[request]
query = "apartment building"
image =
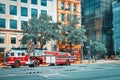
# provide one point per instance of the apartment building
(65, 7)
(68, 7)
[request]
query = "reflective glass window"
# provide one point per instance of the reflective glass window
(2, 39)
(24, 1)
(34, 12)
(2, 50)
(74, 7)
(13, 0)
(13, 40)
(34, 2)
(43, 2)
(68, 6)
(24, 11)
(2, 8)
(62, 17)
(13, 10)
(13, 24)
(43, 12)
(62, 5)
(2, 23)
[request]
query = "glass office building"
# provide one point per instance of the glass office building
(116, 26)
(97, 19)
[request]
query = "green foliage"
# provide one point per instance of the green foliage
(70, 31)
(77, 36)
(72, 20)
(40, 29)
(98, 48)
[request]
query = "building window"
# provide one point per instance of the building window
(2, 49)
(13, 24)
(13, 40)
(43, 12)
(34, 2)
(62, 17)
(68, 6)
(24, 11)
(74, 8)
(13, 10)
(34, 12)
(24, 1)
(2, 40)
(23, 23)
(2, 8)
(13, 0)
(43, 2)
(62, 5)
(2, 23)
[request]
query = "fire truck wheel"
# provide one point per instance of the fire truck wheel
(67, 62)
(16, 64)
(35, 63)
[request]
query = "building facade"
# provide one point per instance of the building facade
(65, 7)
(116, 25)
(14, 12)
(97, 19)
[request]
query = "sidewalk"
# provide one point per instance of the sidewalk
(108, 62)
(101, 62)
(1, 65)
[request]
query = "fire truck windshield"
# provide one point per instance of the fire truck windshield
(7, 54)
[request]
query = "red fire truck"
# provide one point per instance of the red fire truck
(17, 57)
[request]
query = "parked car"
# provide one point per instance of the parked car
(117, 57)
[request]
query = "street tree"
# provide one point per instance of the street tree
(97, 49)
(72, 32)
(41, 29)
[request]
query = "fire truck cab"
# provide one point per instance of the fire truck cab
(16, 57)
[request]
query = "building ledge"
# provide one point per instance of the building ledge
(9, 30)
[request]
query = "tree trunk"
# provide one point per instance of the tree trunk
(96, 56)
(81, 54)
(89, 56)
(70, 47)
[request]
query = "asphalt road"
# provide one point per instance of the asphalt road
(72, 72)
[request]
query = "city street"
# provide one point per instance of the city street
(59, 39)
(109, 71)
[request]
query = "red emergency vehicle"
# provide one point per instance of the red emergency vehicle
(17, 57)
(62, 58)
